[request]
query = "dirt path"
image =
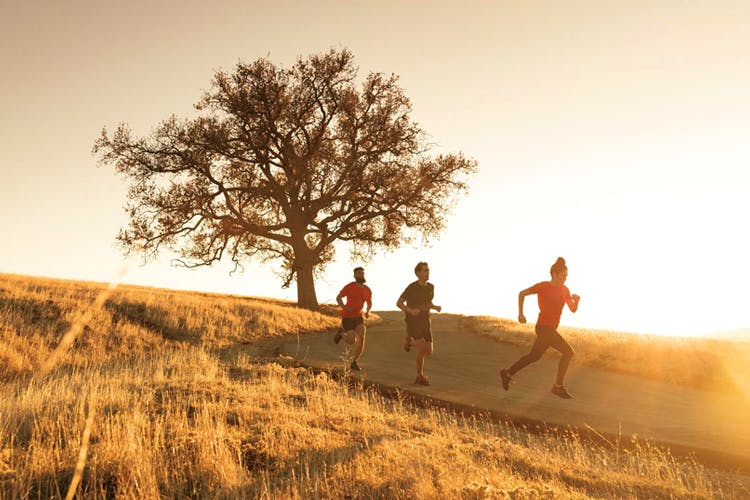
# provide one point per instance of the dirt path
(464, 367)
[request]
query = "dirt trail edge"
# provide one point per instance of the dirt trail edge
(607, 408)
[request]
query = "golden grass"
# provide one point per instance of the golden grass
(695, 362)
(182, 424)
(179, 408)
(36, 313)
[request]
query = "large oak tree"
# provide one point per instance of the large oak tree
(281, 163)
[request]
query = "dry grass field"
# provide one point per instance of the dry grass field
(36, 314)
(694, 362)
(168, 394)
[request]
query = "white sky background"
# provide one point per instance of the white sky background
(614, 134)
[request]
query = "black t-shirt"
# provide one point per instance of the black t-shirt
(419, 297)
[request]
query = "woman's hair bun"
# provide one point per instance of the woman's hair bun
(558, 266)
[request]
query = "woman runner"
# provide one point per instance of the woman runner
(552, 296)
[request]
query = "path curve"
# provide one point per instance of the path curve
(463, 370)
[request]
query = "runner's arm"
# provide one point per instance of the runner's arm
(522, 295)
(573, 302)
(368, 301)
(339, 299)
(401, 304)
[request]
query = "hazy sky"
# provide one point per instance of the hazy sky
(614, 134)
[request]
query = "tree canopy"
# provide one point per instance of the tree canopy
(281, 163)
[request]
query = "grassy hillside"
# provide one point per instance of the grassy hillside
(36, 314)
(695, 362)
(165, 395)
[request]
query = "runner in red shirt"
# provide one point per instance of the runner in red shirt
(552, 296)
(352, 328)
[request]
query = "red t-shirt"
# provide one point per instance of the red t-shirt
(356, 296)
(551, 300)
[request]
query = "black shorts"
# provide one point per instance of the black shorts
(351, 323)
(419, 327)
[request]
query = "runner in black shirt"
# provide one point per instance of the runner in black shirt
(416, 302)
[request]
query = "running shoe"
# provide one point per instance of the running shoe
(354, 366)
(505, 378)
(422, 380)
(559, 390)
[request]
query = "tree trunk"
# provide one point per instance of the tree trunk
(306, 296)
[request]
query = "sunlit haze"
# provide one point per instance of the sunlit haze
(614, 134)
